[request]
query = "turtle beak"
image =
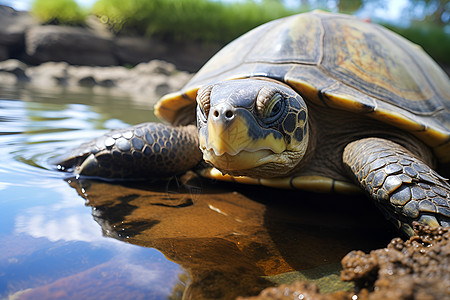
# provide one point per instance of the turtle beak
(234, 140)
(226, 132)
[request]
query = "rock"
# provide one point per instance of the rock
(134, 50)
(49, 74)
(22, 37)
(8, 78)
(4, 53)
(297, 290)
(74, 45)
(14, 67)
(13, 25)
(87, 81)
(146, 82)
(415, 269)
(155, 67)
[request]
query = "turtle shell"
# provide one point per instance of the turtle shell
(341, 62)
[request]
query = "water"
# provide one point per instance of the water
(83, 239)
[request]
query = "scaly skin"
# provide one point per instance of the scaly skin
(402, 185)
(142, 151)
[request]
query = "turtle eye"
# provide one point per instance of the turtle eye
(273, 106)
(203, 99)
(270, 105)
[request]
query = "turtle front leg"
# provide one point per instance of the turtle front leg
(402, 185)
(148, 150)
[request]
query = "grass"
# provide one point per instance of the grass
(198, 20)
(65, 12)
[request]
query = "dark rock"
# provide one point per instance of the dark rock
(186, 56)
(4, 53)
(74, 45)
(107, 83)
(13, 25)
(414, 269)
(134, 50)
(87, 81)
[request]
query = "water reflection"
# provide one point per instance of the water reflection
(50, 245)
(234, 240)
(56, 250)
(188, 237)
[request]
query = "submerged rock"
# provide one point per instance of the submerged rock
(414, 269)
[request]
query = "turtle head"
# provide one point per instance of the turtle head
(252, 127)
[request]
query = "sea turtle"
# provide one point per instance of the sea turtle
(315, 101)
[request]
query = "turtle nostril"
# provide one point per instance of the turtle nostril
(229, 114)
(216, 113)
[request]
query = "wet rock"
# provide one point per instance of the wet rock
(414, 269)
(75, 45)
(298, 290)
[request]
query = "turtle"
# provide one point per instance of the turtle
(317, 101)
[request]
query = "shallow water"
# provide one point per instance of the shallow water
(63, 238)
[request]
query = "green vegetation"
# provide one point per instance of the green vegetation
(200, 20)
(219, 22)
(58, 12)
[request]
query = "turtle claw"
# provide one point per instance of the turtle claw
(88, 167)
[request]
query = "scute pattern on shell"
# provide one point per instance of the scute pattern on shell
(341, 62)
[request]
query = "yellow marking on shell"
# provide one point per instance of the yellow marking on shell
(169, 105)
(309, 183)
(398, 120)
(392, 73)
(234, 138)
(433, 137)
(323, 185)
(345, 102)
(307, 90)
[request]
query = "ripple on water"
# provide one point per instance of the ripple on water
(231, 239)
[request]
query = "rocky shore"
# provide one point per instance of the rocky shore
(146, 82)
(412, 269)
(22, 37)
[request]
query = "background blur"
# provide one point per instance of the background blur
(425, 22)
